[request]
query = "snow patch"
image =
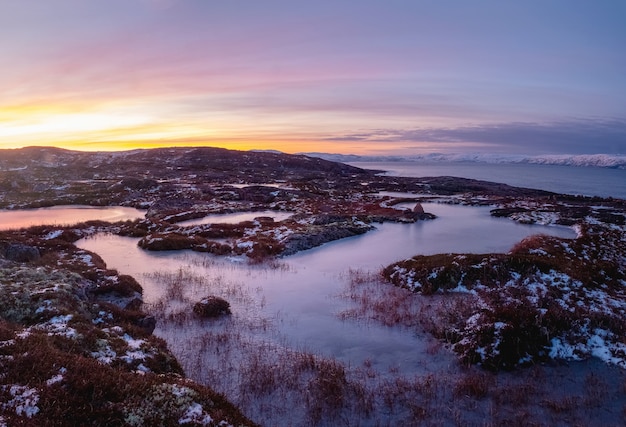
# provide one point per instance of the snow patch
(24, 401)
(53, 235)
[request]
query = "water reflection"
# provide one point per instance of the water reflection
(304, 293)
(65, 215)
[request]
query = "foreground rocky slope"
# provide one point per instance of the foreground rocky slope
(75, 348)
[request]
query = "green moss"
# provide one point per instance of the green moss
(31, 295)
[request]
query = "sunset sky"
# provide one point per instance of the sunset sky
(341, 76)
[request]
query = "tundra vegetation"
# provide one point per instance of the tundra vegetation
(547, 298)
(77, 342)
(75, 349)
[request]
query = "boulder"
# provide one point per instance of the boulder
(21, 253)
(147, 323)
(418, 208)
(126, 302)
(318, 235)
(211, 306)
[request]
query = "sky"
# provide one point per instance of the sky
(370, 77)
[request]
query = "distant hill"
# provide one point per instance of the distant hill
(167, 163)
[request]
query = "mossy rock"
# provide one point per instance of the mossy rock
(211, 306)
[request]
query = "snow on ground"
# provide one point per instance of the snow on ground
(24, 400)
(47, 306)
(57, 378)
(566, 301)
(53, 234)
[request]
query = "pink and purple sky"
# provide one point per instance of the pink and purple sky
(365, 77)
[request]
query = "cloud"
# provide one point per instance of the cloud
(572, 137)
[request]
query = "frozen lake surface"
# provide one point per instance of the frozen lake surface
(284, 311)
(304, 293)
(65, 215)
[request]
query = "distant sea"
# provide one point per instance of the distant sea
(586, 181)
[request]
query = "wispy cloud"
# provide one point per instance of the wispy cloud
(412, 74)
(575, 137)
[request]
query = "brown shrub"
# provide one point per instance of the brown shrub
(263, 248)
(473, 384)
(327, 390)
(215, 248)
(125, 286)
(507, 333)
(166, 242)
(223, 231)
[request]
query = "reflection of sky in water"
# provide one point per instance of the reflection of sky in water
(305, 294)
(65, 215)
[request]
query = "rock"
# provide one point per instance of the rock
(418, 208)
(422, 216)
(147, 323)
(318, 235)
(326, 219)
(504, 212)
(264, 220)
(21, 253)
(211, 306)
(132, 302)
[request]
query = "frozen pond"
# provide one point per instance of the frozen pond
(304, 293)
(235, 218)
(65, 215)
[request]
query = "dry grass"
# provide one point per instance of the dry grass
(521, 398)
(269, 380)
(474, 384)
(545, 288)
(244, 358)
(373, 298)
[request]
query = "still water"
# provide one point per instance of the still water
(304, 293)
(586, 181)
(65, 215)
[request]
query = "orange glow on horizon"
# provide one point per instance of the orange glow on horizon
(124, 125)
(119, 127)
(115, 128)
(285, 146)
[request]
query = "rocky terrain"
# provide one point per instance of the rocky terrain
(328, 200)
(74, 342)
(76, 349)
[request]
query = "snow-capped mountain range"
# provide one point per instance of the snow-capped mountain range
(615, 161)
